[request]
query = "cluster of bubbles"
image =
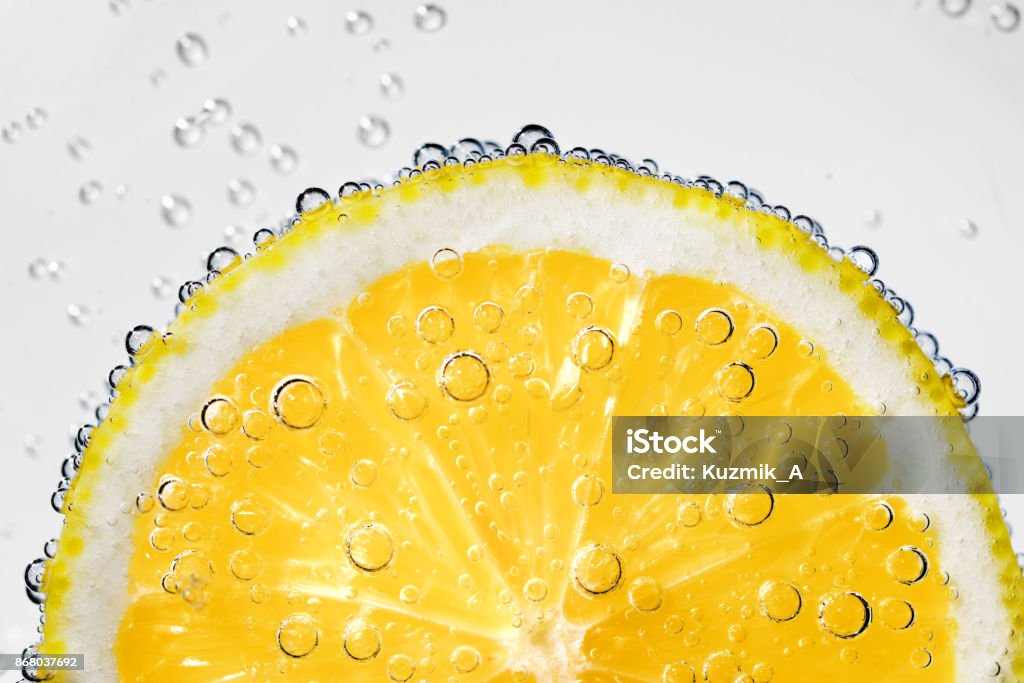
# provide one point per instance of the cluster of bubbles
(34, 119)
(465, 376)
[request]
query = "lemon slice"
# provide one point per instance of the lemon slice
(378, 450)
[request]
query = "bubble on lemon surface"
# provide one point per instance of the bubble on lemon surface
(780, 601)
(219, 415)
(844, 615)
(588, 490)
(465, 376)
(370, 547)
(721, 667)
(645, 594)
(735, 381)
(907, 565)
(446, 263)
(593, 348)
(527, 299)
(714, 326)
(362, 640)
(669, 322)
(401, 668)
(521, 365)
(405, 401)
(245, 564)
(895, 614)
(535, 589)
(298, 635)
(435, 324)
(751, 505)
(921, 658)
(689, 514)
(298, 403)
(249, 516)
(579, 305)
(878, 515)
(173, 494)
(678, 672)
(488, 317)
(218, 461)
(363, 473)
(761, 341)
(465, 659)
(596, 570)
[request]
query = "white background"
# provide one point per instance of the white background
(834, 108)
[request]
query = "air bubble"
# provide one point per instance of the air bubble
(405, 401)
(895, 614)
(714, 326)
(246, 138)
(761, 341)
(751, 506)
(588, 490)
(921, 658)
(363, 473)
(864, 258)
(222, 259)
(465, 376)
(645, 594)
(188, 132)
(173, 494)
(429, 18)
(369, 547)
(678, 672)
(878, 516)
(955, 8)
(446, 263)
(593, 348)
(907, 564)
(735, 381)
(245, 565)
(298, 403)
(135, 341)
(11, 132)
(391, 86)
(619, 272)
(434, 324)
(721, 667)
(219, 415)
(596, 570)
(373, 131)
(530, 133)
(844, 615)
(249, 516)
(358, 22)
(535, 590)
(283, 159)
(192, 49)
(90, 192)
(968, 228)
(401, 668)
(176, 210)
(668, 322)
(311, 199)
(488, 317)
(1005, 16)
(298, 635)
(241, 192)
(217, 460)
(780, 601)
(295, 26)
(689, 514)
(579, 305)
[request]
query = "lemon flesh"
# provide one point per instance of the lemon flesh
(407, 477)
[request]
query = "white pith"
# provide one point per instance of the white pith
(330, 271)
